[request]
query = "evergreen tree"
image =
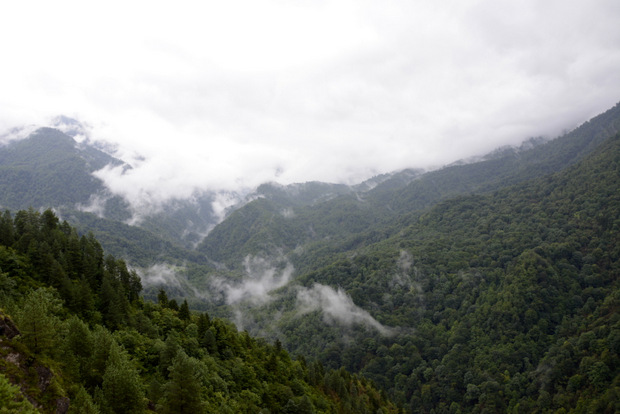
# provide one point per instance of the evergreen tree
(102, 343)
(162, 298)
(82, 403)
(113, 304)
(7, 233)
(204, 322)
(122, 387)
(182, 391)
(173, 304)
(77, 348)
(38, 322)
(184, 311)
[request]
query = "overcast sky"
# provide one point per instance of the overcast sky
(227, 94)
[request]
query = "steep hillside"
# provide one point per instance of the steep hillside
(513, 167)
(486, 303)
(84, 341)
(47, 169)
(352, 217)
(484, 287)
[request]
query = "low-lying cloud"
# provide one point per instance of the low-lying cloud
(262, 276)
(337, 308)
(96, 205)
(159, 275)
(220, 99)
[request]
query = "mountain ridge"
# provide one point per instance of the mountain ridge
(414, 279)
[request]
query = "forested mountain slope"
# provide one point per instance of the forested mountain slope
(351, 218)
(84, 341)
(49, 169)
(511, 167)
(496, 302)
(485, 287)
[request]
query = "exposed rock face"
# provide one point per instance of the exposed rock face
(62, 405)
(8, 329)
(28, 366)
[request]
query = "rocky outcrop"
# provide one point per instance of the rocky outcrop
(26, 372)
(8, 329)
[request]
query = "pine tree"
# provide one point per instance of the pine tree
(7, 233)
(173, 305)
(182, 391)
(102, 343)
(77, 348)
(162, 298)
(37, 321)
(113, 304)
(184, 311)
(82, 403)
(122, 387)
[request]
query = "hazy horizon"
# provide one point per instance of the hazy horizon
(227, 96)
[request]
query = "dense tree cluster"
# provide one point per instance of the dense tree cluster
(498, 282)
(508, 301)
(80, 312)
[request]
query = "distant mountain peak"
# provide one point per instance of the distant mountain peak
(17, 133)
(503, 151)
(72, 127)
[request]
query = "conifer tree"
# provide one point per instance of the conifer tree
(7, 233)
(184, 311)
(77, 347)
(182, 391)
(82, 403)
(122, 387)
(37, 321)
(162, 298)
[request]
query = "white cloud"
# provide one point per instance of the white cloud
(159, 274)
(228, 95)
(337, 307)
(262, 276)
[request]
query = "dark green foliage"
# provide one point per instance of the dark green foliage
(492, 292)
(184, 311)
(500, 290)
(162, 298)
(115, 353)
(182, 393)
(500, 278)
(346, 220)
(122, 240)
(50, 169)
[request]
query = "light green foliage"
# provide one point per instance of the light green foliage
(38, 321)
(82, 403)
(12, 400)
(122, 387)
(107, 355)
